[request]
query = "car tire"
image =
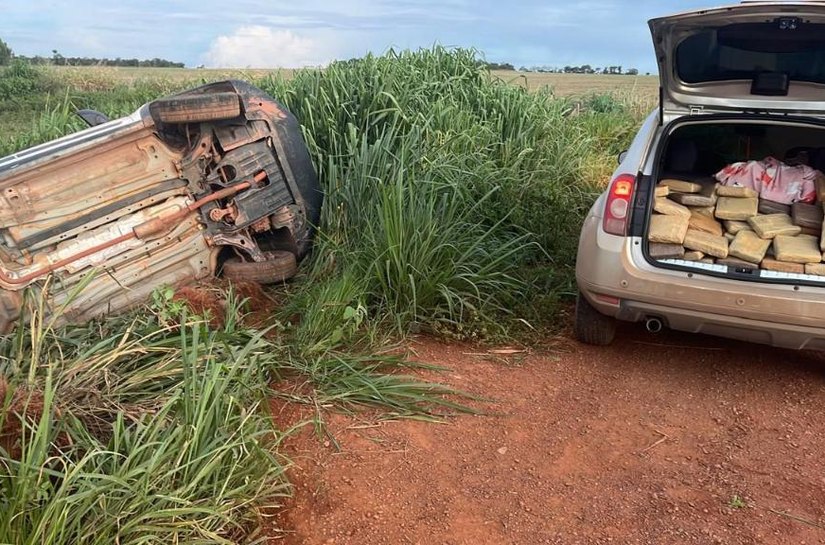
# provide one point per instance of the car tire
(591, 326)
(305, 177)
(281, 267)
(196, 108)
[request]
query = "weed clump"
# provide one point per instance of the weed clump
(20, 80)
(453, 198)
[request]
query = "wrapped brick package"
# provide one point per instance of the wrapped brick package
(749, 246)
(667, 229)
(681, 186)
(798, 249)
(716, 246)
(772, 225)
(736, 208)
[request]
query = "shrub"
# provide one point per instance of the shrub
(445, 186)
(20, 80)
(132, 431)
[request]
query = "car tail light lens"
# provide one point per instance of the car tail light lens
(617, 208)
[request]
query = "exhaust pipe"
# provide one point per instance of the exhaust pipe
(653, 325)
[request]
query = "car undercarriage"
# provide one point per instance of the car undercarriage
(213, 180)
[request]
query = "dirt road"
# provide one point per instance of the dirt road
(657, 439)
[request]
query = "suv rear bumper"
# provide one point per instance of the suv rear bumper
(615, 278)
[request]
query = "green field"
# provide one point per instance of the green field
(580, 84)
(453, 203)
(90, 77)
(562, 84)
(115, 86)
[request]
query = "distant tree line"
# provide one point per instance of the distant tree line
(499, 66)
(59, 60)
(6, 56)
(583, 69)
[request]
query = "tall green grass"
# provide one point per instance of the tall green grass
(453, 197)
(154, 427)
(135, 431)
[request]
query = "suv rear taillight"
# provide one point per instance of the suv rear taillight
(617, 207)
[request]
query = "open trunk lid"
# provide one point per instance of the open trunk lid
(753, 57)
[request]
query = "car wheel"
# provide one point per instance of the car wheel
(281, 267)
(591, 326)
(196, 108)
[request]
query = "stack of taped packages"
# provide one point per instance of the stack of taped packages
(756, 214)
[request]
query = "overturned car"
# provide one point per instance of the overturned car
(212, 181)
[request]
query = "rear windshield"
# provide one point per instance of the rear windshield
(741, 51)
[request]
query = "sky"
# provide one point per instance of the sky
(296, 33)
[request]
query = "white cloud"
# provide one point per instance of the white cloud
(257, 46)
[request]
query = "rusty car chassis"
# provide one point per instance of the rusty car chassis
(213, 179)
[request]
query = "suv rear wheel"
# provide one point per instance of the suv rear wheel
(591, 326)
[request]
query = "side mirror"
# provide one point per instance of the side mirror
(621, 157)
(92, 117)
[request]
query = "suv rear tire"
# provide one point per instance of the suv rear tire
(591, 326)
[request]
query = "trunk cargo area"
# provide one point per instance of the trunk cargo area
(739, 197)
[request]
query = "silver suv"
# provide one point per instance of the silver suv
(738, 84)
